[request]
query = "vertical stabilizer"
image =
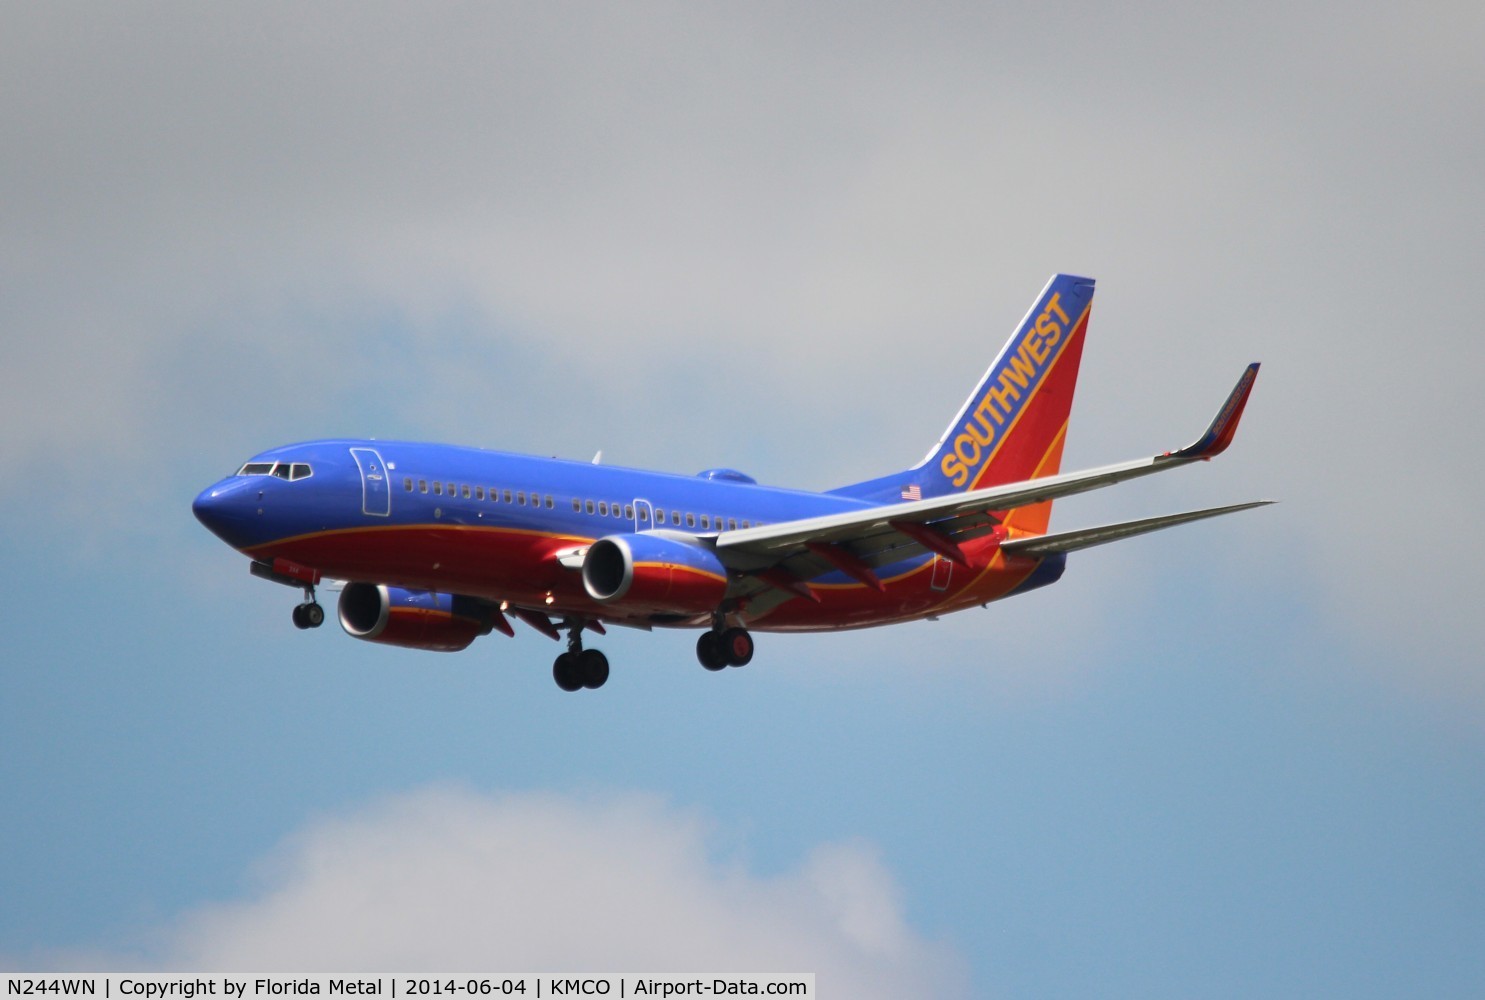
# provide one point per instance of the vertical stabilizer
(1014, 424)
(1012, 427)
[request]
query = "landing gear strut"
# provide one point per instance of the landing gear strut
(727, 647)
(579, 668)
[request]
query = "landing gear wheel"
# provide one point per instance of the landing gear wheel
(592, 667)
(308, 616)
(737, 645)
(566, 673)
(710, 652)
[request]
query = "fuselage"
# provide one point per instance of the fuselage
(494, 525)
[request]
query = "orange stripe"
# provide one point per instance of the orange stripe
(388, 528)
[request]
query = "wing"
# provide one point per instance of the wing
(855, 542)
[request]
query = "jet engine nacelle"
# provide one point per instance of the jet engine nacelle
(654, 574)
(416, 619)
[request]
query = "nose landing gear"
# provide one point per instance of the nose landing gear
(291, 574)
(309, 614)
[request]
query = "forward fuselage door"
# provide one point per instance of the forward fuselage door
(943, 571)
(376, 495)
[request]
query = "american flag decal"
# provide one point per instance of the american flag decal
(913, 492)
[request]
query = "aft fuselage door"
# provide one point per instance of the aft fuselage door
(376, 496)
(943, 571)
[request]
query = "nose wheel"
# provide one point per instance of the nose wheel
(309, 614)
(729, 647)
(579, 668)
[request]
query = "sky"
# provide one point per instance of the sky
(1245, 757)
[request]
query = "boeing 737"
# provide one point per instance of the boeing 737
(434, 545)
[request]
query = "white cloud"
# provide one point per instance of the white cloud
(445, 879)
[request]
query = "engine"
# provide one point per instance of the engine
(417, 619)
(654, 574)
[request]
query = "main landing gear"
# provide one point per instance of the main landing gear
(724, 647)
(579, 668)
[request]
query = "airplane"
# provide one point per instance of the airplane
(434, 545)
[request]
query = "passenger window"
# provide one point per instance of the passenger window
(706, 522)
(675, 517)
(494, 494)
(588, 505)
(617, 510)
(422, 486)
(629, 511)
(659, 515)
(438, 489)
(450, 489)
(690, 520)
(731, 524)
(407, 483)
(747, 524)
(577, 506)
(464, 492)
(549, 503)
(521, 498)
(479, 492)
(603, 508)
(644, 515)
(505, 495)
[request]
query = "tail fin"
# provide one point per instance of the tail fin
(1012, 426)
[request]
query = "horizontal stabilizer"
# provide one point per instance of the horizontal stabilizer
(1071, 541)
(878, 530)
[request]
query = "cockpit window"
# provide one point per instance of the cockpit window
(282, 470)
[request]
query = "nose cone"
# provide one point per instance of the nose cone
(228, 509)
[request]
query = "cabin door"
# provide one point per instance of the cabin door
(376, 496)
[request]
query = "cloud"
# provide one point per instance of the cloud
(445, 879)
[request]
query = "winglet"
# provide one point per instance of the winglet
(1219, 435)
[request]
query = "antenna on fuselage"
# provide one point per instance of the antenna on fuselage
(598, 458)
